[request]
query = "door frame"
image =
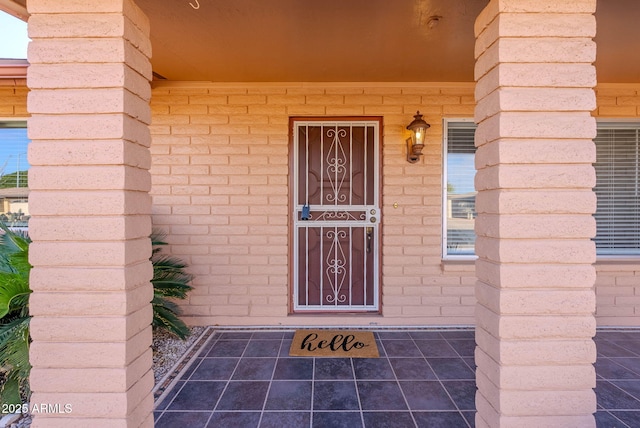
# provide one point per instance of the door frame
(292, 204)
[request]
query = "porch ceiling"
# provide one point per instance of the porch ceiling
(349, 40)
(301, 40)
(345, 40)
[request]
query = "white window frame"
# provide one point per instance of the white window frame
(445, 175)
(617, 123)
(18, 119)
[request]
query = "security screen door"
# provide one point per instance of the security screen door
(336, 215)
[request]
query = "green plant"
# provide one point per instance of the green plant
(170, 281)
(14, 315)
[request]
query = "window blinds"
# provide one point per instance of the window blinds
(617, 189)
(460, 193)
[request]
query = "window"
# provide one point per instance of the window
(617, 188)
(14, 185)
(459, 192)
(617, 174)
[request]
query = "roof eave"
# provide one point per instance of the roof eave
(13, 68)
(15, 9)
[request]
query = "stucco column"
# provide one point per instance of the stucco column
(535, 311)
(89, 179)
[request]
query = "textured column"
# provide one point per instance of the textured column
(535, 295)
(89, 81)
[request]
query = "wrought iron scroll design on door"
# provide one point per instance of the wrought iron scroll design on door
(336, 216)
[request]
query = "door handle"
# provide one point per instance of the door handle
(369, 238)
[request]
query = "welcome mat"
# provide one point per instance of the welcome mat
(334, 343)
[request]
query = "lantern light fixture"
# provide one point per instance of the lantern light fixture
(415, 143)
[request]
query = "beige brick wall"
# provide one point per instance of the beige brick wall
(223, 198)
(220, 188)
(220, 165)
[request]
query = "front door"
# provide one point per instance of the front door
(336, 215)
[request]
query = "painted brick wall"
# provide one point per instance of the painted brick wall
(226, 211)
(13, 97)
(220, 188)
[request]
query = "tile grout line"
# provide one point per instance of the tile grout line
(625, 392)
(615, 417)
(313, 390)
(613, 361)
(228, 380)
(169, 380)
(446, 390)
(438, 377)
(273, 372)
(213, 339)
(395, 376)
(355, 384)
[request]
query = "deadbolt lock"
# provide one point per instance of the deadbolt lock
(372, 219)
(372, 212)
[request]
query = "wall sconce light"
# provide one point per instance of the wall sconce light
(415, 143)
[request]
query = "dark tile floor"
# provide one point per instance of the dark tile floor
(618, 379)
(422, 379)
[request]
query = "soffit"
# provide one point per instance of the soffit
(618, 41)
(301, 40)
(345, 40)
(349, 40)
